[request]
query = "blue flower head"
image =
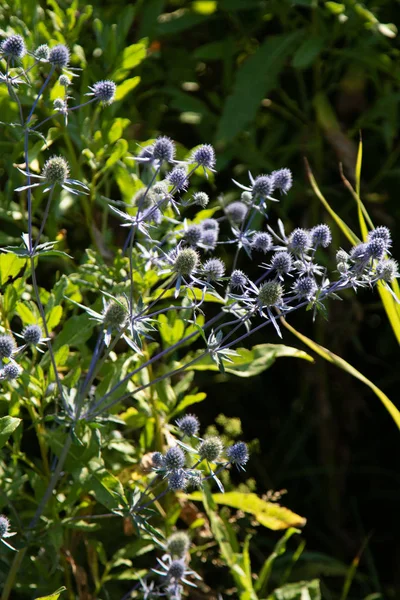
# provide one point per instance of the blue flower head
(236, 212)
(59, 56)
(189, 425)
(104, 91)
(164, 149)
(178, 178)
(262, 186)
(238, 454)
(174, 458)
(282, 180)
(321, 236)
(204, 156)
(261, 241)
(7, 346)
(13, 47)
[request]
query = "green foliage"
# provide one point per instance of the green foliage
(284, 80)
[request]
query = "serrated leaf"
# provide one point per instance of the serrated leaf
(7, 426)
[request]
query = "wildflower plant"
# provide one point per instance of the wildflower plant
(120, 359)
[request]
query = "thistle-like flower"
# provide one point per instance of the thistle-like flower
(55, 172)
(59, 56)
(5, 531)
(103, 91)
(13, 47)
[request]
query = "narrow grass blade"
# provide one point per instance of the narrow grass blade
(342, 364)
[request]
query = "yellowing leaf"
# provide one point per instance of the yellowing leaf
(269, 514)
(343, 364)
(54, 596)
(251, 362)
(204, 7)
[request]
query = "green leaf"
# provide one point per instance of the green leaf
(77, 330)
(105, 486)
(188, 401)
(307, 52)
(7, 426)
(131, 57)
(126, 86)
(10, 266)
(269, 514)
(55, 595)
(301, 590)
(279, 549)
(255, 79)
(250, 362)
(54, 317)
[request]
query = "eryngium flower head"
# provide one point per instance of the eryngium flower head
(13, 47)
(59, 104)
(186, 261)
(238, 279)
(143, 198)
(193, 234)
(305, 287)
(11, 371)
(321, 236)
(176, 570)
(189, 425)
(32, 334)
(382, 233)
(115, 314)
(236, 212)
(262, 186)
(174, 458)
(177, 480)
(270, 294)
(282, 180)
(163, 149)
(387, 270)
(64, 80)
(204, 156)
(42, 52)
(209, 238)
(261, 241)
(178, 178)
(238, 454)
(7, 346)
(210, 224)
(341, 257)
(210, 449)
(4, 526)
(214, 269)
(194, 480)
(55, 170)
(376, 248)
(178, 544)
(299, 241)
(246, 197)
(158, 460)
(201, 199)
(358, 252)
(104, 91)
(282, 262)
(59, 56)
